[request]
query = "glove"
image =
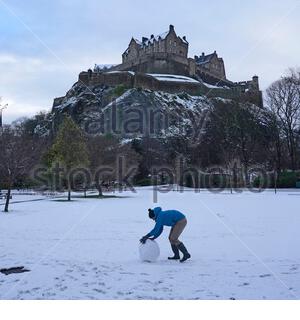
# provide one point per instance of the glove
(143, 240)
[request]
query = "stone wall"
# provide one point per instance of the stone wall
(138, 80)
(148, 82)
(109, 79)
(144, 81)
(157, 63)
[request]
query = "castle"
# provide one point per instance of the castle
(168, 53)
(147, 64)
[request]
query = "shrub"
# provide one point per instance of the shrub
(119, 90)
(183, 96)
(144, 182)
(287, 180)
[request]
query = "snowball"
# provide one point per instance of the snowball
(149, 251)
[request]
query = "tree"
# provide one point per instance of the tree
(235, 134)
(275, 147)
(19, 153)
(104, 153)
(283, 100)
(69, 149)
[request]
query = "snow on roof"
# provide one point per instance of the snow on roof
(153, 38)
(205, 58)
(137, 41)
(131, 72)
(183, 39)
(172, 77)
(148, 41)
(161, 36)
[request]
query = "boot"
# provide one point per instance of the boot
(176, 253)
(183, 249)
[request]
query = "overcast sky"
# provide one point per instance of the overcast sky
(45, 44)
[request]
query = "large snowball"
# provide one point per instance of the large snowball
(149, 251)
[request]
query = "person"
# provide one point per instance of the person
(171, 218)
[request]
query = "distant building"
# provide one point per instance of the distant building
(167, 54)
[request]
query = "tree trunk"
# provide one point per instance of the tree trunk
(275, 181)
(7, 197)
(100, 191)
(278, 153)
(69, 190)
(230, 181)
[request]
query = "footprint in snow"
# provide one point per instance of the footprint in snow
(129, 273)
(244, 284)
(99, 291)
(294, 268)
(265, 275)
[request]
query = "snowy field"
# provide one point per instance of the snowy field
(243, 246)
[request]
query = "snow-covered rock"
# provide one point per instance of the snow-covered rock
(130, 112)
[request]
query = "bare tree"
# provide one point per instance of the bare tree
(18, 155)
(283, 100)
(104, 152)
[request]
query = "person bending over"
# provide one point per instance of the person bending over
(171, 218)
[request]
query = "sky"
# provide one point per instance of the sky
(44, 44)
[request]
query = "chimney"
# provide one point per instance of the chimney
(203, 54)
(152, 36)
(171, 28)
(184, 38)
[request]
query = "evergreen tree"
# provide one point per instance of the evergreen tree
(69, 149)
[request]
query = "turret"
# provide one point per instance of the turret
(255, 83)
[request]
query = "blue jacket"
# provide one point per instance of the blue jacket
(164, 218)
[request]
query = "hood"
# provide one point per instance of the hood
(157, 210)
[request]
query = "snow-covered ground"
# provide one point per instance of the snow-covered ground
(243, 246)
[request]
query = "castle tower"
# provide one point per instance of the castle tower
(255, 83)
